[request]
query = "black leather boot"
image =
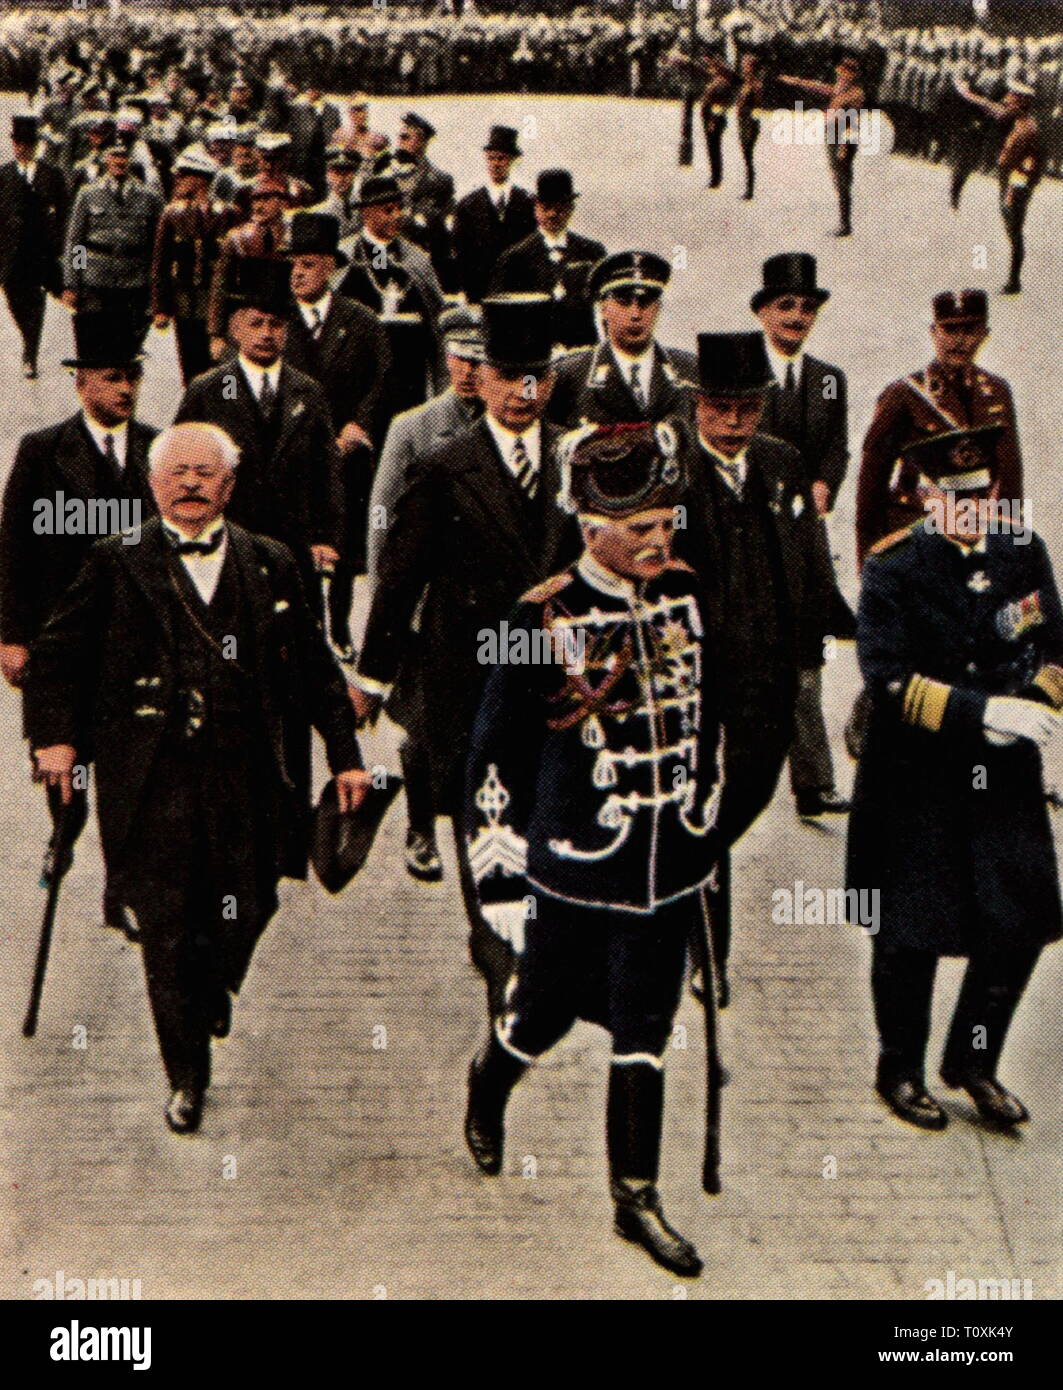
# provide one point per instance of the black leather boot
(492, 1075)
(633, 1130)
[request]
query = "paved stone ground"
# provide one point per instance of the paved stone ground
(328, 1165)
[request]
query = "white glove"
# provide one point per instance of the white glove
(507, 921)
(1010, 718)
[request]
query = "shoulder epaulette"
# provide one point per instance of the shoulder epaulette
(888, 542)
(547, 589)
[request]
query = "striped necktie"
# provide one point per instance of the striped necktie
(637, 388)
(525, 468)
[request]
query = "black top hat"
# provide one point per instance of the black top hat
(315, 234)
(519, 330)
(503, 140)
(794, 272)
(631, 270)
(958, 460)
(262, 283)
(953, 306)
(618, 470)
(25, 127)
(106, 340)
(377, 189)
(733, 364)
(554, 186)
(426, 127)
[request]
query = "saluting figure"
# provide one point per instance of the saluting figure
(845, 100)
(960, 638)
(594, 788)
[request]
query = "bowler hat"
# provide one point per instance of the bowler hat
(378, 189)
(519, 330)
(503, 140)
(733, 364)
(340, 841)
(315, 234)
(106, 340)
(260, 282)
(792, 272)
(554, 186)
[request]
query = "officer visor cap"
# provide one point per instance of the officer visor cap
(958, 460)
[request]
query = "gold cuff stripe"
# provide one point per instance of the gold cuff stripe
(1050, 680)
(925, 701)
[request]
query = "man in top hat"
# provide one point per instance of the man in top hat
(629, 375)
(495, 483)
(491, 218)
(960, 638)
(750, 535)
(189, 668)
(33, 209)
(264, 236)
(411, 438)
(594, 793)
(95, 460)
(844, 100)
(554, 260)
(187, 246)
(342, 345)
(395, 278)
(951, 393)
(289, 486)
(110, 239)
(1019, 167)
(340, 201)
(807, 405)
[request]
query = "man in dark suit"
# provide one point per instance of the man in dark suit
(476, 527)
(342, 345)
(744, 496)
(629, 376)
(807, 406)
(554, 260)
(33, 210)
(191, 667)
(289, 484)
(492, 218)
(98, 455)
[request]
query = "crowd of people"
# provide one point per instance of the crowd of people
(463, 399)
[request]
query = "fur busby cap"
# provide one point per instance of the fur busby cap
(619, 470)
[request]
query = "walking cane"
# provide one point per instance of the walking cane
(705, 961)
(62, 863)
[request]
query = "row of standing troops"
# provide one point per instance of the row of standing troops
(758, 546)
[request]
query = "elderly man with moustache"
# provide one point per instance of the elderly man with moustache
(190, 670)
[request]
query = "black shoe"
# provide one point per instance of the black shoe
(221, 1015)
(823, 803)
(422, 857)
(184, 1110)
(485, 1132)
(991, 1100)
(29, 370)
(640, 1219)
(911, 1101)
(118, 917)
(1012, 287)
(843, 232)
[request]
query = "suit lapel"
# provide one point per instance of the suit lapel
(292, 403)
(76, 457)
(495, 493)
(148, 564)
(259, 594)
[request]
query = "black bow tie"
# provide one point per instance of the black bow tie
(183, 547)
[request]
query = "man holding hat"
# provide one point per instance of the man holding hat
(960, 638)
(190, 670)
(395, 278)
(263, 237)
(629, 375)
(33, 209)
(289, 486)
(1019, 166)
(187, 245)
(554, 260)
(492, 218)
(593, 805)
(807, 406)
(951, 393)
(110, 239)
(411, 438)
(342, 345)
(97, 455)
(476, 525)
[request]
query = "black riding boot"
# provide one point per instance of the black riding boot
(493, 1074)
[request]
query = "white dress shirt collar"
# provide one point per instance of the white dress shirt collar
(555, 243)
(255, 375)
(203, 570)
(602, 579)
(506, 440)
(28, 171)
(779, 363)
(732, 471)
(322, 305)
(119, 434)
(498, 191)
